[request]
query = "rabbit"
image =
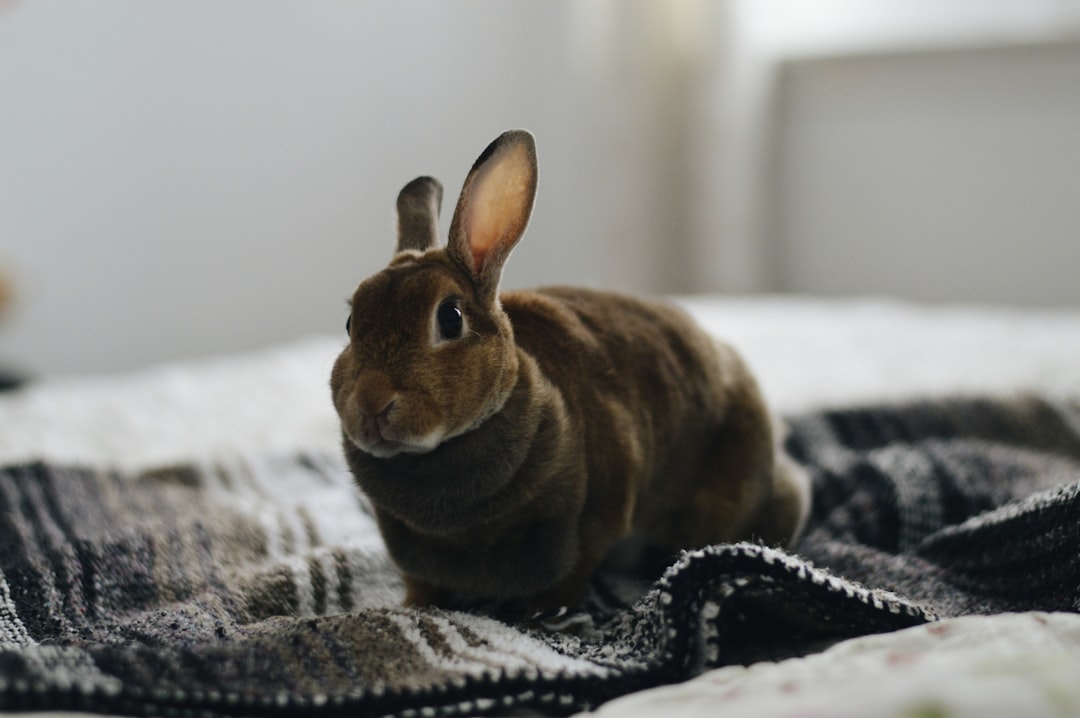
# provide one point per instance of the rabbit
(507, 440)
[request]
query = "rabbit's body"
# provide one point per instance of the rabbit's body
(506, 460)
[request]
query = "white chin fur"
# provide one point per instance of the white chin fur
(388, 449)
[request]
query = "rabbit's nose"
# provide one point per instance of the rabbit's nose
(376, 427)
(383, 413)
(375, 394)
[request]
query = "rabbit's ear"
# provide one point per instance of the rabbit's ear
(418, 214)
(494, 207)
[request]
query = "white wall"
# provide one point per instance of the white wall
(189, 178)
(192, 178)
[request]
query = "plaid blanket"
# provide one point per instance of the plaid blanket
(260, 586)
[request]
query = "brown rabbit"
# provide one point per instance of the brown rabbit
(508, 441)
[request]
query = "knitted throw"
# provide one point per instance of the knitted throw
(260, 585)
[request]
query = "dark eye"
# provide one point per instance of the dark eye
(348, 325)
(449, 318)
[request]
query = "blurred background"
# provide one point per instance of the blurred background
(186, 179)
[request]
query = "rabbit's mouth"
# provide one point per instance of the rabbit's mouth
(379, 438)
(376, 437)
(380, 448)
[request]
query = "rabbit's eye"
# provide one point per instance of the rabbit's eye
(450, 320)
(348, 325)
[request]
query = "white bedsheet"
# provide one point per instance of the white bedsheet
(1023, 665)
(807, 353)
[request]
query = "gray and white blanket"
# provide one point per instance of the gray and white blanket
(260, 586)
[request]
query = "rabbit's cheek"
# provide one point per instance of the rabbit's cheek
(417, 423)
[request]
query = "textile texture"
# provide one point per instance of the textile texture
(260, 586)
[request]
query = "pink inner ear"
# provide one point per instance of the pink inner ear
(478, 256)
(481, 232)
(500, 202)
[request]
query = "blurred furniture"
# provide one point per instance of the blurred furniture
(935, 175)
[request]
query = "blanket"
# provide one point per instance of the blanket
(258, 585)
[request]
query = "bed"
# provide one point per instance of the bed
(185, 540)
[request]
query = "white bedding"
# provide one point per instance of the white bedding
(807, 353)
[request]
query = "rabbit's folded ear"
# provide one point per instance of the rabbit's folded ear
(494, 207)
(418, 214)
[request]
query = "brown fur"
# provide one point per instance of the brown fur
(560, 421)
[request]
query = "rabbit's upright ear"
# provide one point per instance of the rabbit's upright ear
(494, 207)
(418, 214)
